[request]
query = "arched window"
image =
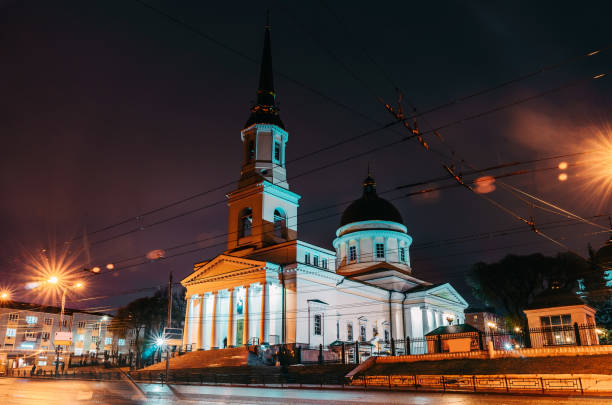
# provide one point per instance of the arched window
(280, 223)
(245, 222)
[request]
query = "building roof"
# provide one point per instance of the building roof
(555, 297)
(27, 306)
(451, 329)
(265, 110)
(370, 207)
(477, 310)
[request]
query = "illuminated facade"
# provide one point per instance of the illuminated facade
(269, 287)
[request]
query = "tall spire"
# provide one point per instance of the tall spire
(265, 110)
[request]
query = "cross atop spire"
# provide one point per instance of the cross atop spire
(265, 110)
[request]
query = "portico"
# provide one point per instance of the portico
(229, 301)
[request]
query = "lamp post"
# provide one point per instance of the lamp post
(55, 281)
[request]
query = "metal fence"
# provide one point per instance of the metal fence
(472, 383)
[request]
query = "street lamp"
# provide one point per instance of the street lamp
(55, 282)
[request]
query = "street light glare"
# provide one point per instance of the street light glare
(79, 285)
(53, 280)
(160, 341)
(4, 295)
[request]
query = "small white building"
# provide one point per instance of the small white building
(556, 317)
(270, 287)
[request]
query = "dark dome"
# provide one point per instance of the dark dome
(370, 207)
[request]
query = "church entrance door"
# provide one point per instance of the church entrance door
(239, 331)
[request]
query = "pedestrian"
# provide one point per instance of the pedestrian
(33, 370)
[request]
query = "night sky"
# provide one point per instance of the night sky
(109, 109)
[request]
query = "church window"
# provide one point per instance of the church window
(324, 263)
(362, 333)
(315, 261)
(380, 251)
(349, 332)
(403, 254)
(307, 258)
(251, 151)
(386, 336)
(246, 222)
(280, 224)
(352, 253)
(277, 152)
(317, 324)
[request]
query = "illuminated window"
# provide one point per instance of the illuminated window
(277, 152)
(352, 253)
(307, 258)
(246, 223)
(13, 317)
(380, 251)
(108, 341)
(31, 320)
(11, 332)
(317, 324)
(49, 321)
(324, 263)
(402, 254)
(121, 342)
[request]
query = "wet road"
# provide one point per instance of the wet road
(27, 392)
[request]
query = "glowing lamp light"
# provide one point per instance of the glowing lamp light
(160, 341)
(110, 266)
(53, 280)
(508, 346)
(599, 331)
(562, 165)
(95, 269)
(491, 325)
(517, 329)
(78, 285)
(562, 177)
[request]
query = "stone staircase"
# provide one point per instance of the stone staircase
(231, 357)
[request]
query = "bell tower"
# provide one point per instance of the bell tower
(262, 211)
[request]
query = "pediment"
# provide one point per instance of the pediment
(448, 293)
(221, 266)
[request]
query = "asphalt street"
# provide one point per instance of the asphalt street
(49, 392)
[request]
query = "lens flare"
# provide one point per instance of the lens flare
(562, 177)
(563, 165)
(50, 272)
(595, 173)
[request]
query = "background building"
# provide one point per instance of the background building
(27, 332)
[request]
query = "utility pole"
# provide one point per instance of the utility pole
(169, 323)
(170, 300)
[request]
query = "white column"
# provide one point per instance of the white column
(230, 319)
(263, 328)
(213, 321)
(245, 310)
(426, 327)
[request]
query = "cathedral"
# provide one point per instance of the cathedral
(269, 287)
